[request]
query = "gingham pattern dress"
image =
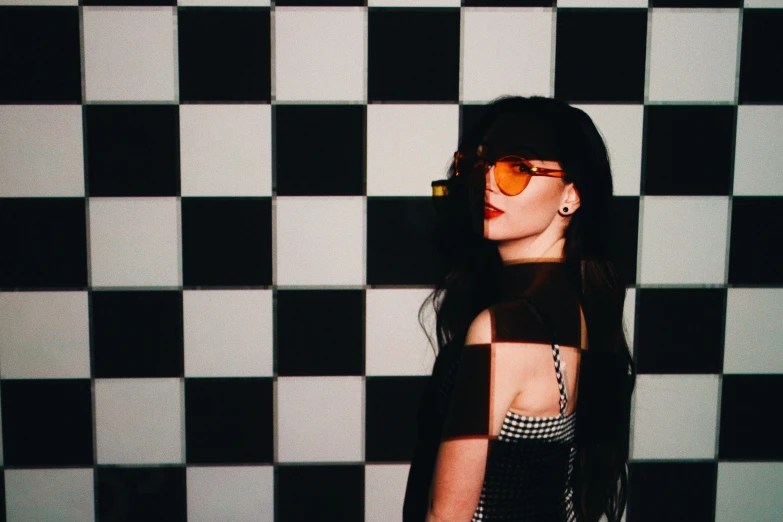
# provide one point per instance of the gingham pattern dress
(529, 466)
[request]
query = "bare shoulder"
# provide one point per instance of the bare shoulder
(480, 330)
(512, 321)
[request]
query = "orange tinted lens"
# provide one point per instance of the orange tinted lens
(509, 179)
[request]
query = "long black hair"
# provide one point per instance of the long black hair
(471, 282)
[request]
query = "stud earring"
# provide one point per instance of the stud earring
(565, 209)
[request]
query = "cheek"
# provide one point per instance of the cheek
(528, 213)
(539, 201)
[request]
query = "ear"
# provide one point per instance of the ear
(570, 198)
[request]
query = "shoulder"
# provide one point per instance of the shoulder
(511, 321)
(480, 330)
(519, 321)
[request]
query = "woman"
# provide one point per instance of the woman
(526, 416)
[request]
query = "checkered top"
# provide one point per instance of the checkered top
(530, 464)
(559, 428)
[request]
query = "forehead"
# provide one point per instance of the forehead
(528, 135)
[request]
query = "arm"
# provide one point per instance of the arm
(480, 399)
(459, 475)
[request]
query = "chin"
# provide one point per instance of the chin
(494, 231)
(504, 235)
(494, 236)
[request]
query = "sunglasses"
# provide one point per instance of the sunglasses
(512, 173)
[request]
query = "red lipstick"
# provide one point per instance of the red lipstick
(491, 211)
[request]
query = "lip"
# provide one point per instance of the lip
(489, 205)
(491, 211)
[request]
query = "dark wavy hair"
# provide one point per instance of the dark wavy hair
(471, 282)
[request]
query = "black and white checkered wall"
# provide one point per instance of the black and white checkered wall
(215, 236)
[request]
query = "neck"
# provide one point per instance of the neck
(524, 276)
(527, 249)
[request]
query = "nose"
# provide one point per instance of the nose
(489, 178)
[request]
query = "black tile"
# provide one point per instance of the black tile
(400, 247)
(392, 404)
(626, 224)
(671, 491)
(328, 492)
(689, 150)
(745, 399)
(226, 241)
(137, 333)
(47, 423)
(141, 493)
(224, 54)
(130, 2)
(756, 234)
(695, 3)
(228, 420)
(680, 330)
(320, 332)
(40, 56)
(132, 150)
(508, 3)
(413, 54)
(600, 55)
(320, 150)
(762, 45)
(44, 242)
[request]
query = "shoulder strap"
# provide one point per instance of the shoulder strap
(555, 352)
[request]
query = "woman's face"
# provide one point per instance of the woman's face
(529, 213)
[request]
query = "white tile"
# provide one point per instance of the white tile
(758, 162)
(228, 333)
(683, 239)
(749, 491)
(129, 53)
(236, 493)
(413, 3)
(602, 3)
(134, 241)
(320, 419)
(693, 54)
(45, 335)
(139, 421)
(41, 151)
(629, 316)
(320, 240)
(686, 431)
(320, 54)
(384, 491)
(49, 495)
(621, 127)
(395, 342)
(753, 331)
(226, 150)
(408, 147)
(506, 51)
(763, 3)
